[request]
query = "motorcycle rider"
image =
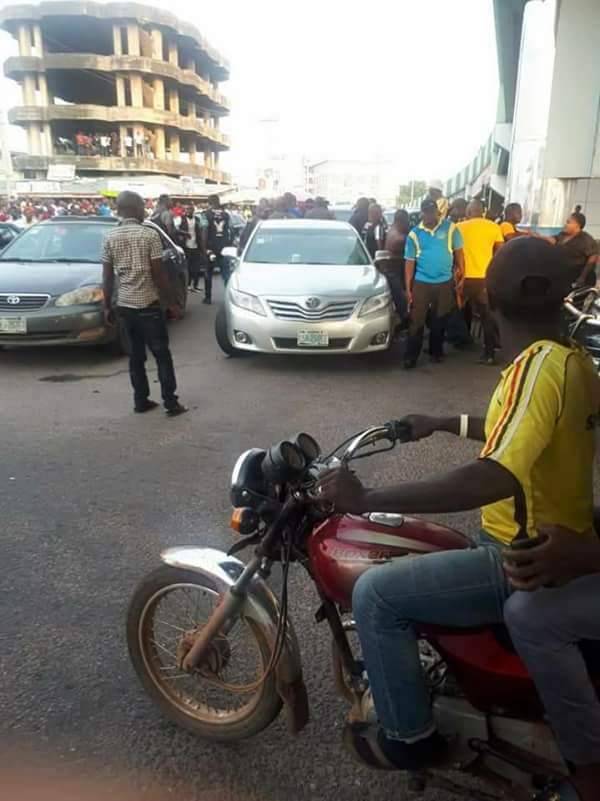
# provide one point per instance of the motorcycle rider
(542, 411)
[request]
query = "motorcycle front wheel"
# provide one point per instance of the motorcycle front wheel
(218, 701)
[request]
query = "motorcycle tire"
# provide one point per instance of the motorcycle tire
(265, 704)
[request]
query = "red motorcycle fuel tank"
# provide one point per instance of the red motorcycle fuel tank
(344, 546)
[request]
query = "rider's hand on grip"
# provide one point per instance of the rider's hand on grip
(414, 427)
(400, 430)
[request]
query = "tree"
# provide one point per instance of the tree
(408, 193)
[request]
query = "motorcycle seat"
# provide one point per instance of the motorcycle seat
(589, 648)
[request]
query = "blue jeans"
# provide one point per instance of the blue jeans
(461, 588)
(546, 627)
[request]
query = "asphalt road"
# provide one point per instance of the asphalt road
(90, 493)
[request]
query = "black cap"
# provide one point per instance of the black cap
(529, 274)
(429, 204)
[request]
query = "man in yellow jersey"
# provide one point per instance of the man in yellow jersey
(535, 470)
(481, 239)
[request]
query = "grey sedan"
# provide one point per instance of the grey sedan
(51, 283)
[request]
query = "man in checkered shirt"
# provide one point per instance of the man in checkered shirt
(134, 253)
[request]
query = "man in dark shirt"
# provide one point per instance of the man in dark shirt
(217, 234)
(393, 268)
(374, 231)
(360, 215)
(579, 249)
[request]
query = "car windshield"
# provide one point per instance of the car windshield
(306, 246)
(80, 242)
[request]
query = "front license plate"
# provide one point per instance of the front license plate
(313, 339)
(13, 325)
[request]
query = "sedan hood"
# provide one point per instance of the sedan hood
(47, 278)
(355, 281)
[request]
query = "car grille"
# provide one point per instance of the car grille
(26, 302)
(287, 343)
(288, 310)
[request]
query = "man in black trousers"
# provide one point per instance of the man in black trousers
(134, 253)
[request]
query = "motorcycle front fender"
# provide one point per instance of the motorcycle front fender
(221, 572)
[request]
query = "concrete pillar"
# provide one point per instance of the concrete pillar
(122, 135)
(37, 39)
(193, 151)
(133, 40)
(117, 51)
(174, 146)
(208, 158)
(43, 83)
(120, 81)
(157, 44)
(24, 37)
(137, 92)
(174, 101)
(216, 157)
(173, 53)
(161, 150)
(159, 93)
(46, 140)
(29, 90)
(34, 139)
(216, 121)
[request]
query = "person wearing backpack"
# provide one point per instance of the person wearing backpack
(217, 234)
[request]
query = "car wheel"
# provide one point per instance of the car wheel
(222, 335)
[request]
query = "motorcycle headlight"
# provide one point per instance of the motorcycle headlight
(79, 297)
(375, 303)
(247, 302)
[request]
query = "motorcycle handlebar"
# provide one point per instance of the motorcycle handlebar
(393, 432)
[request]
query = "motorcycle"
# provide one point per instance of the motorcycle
(582, 310)
(217, 651)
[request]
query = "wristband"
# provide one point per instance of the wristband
(463, 431)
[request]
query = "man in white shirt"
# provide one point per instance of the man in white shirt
(139, 144)
(129, 145)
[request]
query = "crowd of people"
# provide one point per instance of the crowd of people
(437, 269)
(138, 144)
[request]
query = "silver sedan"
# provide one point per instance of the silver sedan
(304, 286)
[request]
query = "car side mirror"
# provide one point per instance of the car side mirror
(230, 252)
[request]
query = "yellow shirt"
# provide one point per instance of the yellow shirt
(540, 426)
(507, 229)
(479, 237)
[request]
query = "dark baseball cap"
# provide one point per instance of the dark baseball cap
(528, 274)
(429, 204)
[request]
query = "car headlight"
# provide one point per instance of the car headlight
(375, 303)
(79, 297)
(247, 302)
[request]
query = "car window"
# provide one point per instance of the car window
(306, 246)
(73, 242)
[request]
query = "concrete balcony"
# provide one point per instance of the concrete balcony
(108, 164)
(16, 66)
(23, 115)
(11, 16)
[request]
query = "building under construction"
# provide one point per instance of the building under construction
(115, 89)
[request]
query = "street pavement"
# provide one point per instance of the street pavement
(89, 495)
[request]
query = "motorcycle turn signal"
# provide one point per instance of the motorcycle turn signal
(244, 520)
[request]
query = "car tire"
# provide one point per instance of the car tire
(222, 335)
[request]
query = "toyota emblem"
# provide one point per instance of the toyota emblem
(313, 303)
(14, 300)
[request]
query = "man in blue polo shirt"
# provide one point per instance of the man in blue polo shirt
(433, 253)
